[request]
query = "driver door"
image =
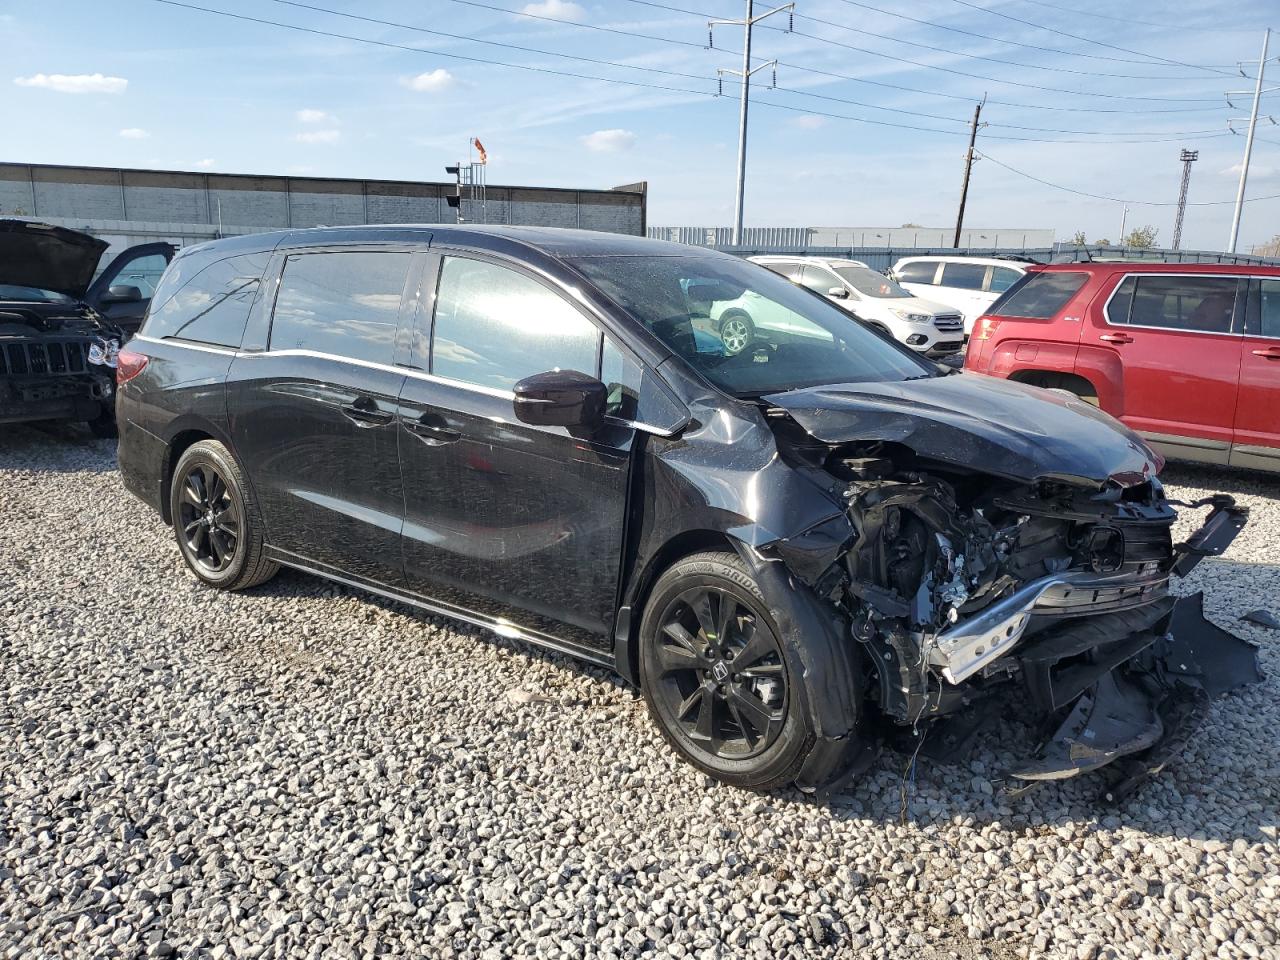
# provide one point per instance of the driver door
(139, 268)
(512, 521)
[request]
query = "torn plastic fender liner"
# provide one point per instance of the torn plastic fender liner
(824, 669)
(1217, 532)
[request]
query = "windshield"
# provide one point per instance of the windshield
(869, 283)
(747, 330)
(9, 291)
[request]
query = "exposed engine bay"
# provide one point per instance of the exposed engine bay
(959, 584)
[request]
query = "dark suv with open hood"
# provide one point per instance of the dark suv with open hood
(793, 548)
(60, 327)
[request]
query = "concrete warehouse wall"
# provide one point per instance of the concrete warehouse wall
(132, 206)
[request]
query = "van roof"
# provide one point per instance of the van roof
(555, 242)
(1160, 266)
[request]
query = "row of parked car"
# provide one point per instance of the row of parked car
(1187, 354)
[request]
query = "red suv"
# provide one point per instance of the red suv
(1187, 354)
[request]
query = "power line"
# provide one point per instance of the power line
(1027, 66)
(1076, 36)
(689, 76)
(827, 73)
(1136, 203)
(931, 66)
(386, 44)
(1076, 11)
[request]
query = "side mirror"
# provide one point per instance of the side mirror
(840, 293)
(561, 398)
(122, 293)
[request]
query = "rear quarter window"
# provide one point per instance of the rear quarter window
(921, 271)
(1038, 296)
(206, 304)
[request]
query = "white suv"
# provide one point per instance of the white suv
(968, 284)
(924, 326)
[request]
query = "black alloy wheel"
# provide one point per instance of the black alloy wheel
(721, 675)
(209, 518)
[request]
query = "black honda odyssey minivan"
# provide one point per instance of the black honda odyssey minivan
(789, 547)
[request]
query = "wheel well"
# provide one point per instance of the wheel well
(1053, 380)
(177, 447)
(735, 312)
(673, 551)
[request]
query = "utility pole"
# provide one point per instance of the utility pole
(1248, 144)
(1124, 218)
(1188, 157)
(968, 168)
(747, 22)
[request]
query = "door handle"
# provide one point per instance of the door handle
(432, 431)
(364, 412)
(1116, 338)
(1268, 353)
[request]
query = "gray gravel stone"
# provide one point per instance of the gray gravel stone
(303, 771)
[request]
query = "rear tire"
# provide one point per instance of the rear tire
(216, 520)
(714, 674)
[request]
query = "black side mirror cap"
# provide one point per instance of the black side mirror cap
(122, 293)
(561, 398)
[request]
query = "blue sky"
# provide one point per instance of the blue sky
(142, 83)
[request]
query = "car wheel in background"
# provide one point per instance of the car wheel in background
(736, 331)
(216, 520)
(103, 425)
(715, 676)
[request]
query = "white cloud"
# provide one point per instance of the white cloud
(134, 133)
(556, 9)
(74, 83)
(809, 122)
(206, 163)
(609, 141)
(429, 82)
(1257, 171)
(315, 116)
(319, 136)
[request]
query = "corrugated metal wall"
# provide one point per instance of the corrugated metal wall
(805, 238)
(135, 205)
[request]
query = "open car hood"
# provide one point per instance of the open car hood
(48, 257)
(978, 423)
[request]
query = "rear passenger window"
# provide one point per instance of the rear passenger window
(210, 305)
(1204, 304)
(1269, 318)
(494, 326)
(1040, 295)
(963, 276)
(345, 304)
(922, 271)
(1002, 278)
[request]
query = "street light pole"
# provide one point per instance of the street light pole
(1248, 143)
(747, 22)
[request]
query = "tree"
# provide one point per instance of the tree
(1079, 239)
(1104, 242)
(1141, 238)
(1269, 249)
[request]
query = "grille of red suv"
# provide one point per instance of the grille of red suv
(43, 358)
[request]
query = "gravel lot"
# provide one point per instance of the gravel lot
(302, 771)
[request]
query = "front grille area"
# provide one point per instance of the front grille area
(43, 358)
(949, 323)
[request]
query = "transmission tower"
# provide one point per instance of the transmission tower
(1188, 158)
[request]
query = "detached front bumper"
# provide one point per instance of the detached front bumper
(1134, 684)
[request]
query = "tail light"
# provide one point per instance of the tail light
(985, 327)
(129, 365)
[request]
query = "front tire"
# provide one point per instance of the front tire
(715, 676)
(736, 332)
(216, 520)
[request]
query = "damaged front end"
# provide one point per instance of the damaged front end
(959, 583)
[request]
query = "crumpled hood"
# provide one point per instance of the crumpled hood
(978, 422)
(48, 257)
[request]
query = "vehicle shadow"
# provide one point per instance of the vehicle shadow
(55, 446)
